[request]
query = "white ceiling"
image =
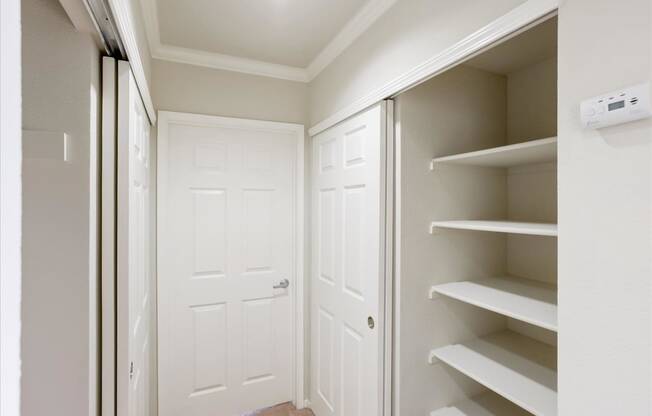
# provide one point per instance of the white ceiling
(286, 32)
(290, 39)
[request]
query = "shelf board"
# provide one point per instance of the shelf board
(486, 404)
(530, 152)
(522, 299)
(518, 368)
(511, 227)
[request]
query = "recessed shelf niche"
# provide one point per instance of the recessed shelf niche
(476, 306)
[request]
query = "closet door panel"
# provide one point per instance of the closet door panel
(346, 280)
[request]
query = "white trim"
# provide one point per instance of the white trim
(168, 117)
(228, 63)
(10, 206)
(161, 218)
(355, 27)
(506, 25)
(397, 284)
(388, 238)
(299, 255)
(125, 23)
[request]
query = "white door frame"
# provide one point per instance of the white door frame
(10, 206)
(165, 118)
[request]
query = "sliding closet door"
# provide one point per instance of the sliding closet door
(347, 275)
(133, 252)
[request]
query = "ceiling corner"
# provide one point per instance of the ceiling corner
(355, 27)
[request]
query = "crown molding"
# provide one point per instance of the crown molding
(369, 13)
(228, 63)
(150, 16)
(355, 27)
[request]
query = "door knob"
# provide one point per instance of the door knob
(283, 284)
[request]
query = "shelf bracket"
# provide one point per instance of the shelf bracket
(433, 294)
(432, 358)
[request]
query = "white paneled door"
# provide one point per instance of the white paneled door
(227, 264)
(347, 271)
(133, 250)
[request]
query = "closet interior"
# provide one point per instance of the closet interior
(476, 229)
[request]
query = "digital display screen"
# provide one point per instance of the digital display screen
(616, 105)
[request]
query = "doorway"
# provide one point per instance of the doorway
(230, 264)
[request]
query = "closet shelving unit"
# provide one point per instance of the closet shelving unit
(504, 362)
(478, 232)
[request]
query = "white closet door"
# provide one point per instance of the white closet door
(133, 253)
(226, 270)
(347, 275)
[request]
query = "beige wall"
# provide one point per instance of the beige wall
(195, 89)
(60, 299)
(408, 34)
(605, 195)
(532, 102)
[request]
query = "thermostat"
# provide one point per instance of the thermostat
(617, 107)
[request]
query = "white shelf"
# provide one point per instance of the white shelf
(531, 152)
(518, 368)
(522, 299)
(486, 404)
(511, 227)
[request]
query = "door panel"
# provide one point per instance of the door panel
(347, 283)
(210, 354)
(133, 249)
(227, 236)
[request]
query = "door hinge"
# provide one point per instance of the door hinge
(131, 370)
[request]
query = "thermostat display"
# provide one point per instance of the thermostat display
(617, 107)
